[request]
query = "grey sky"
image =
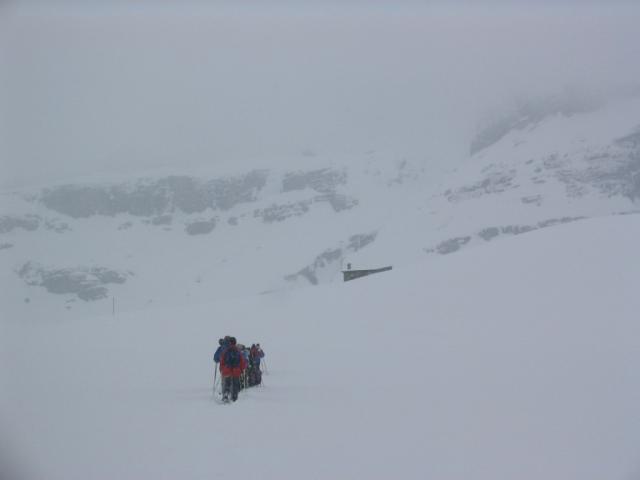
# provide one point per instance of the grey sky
(97, 88)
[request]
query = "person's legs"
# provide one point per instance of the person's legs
(226, 387)
(235, 388)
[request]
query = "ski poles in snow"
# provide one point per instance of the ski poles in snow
(264, 364)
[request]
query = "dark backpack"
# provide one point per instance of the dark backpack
(232, 358)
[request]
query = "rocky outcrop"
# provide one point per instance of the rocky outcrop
(9, 223)
(332, 258)
(201, 227)
(487, 234)
(147, 198)
(322, 181)
(87, 283)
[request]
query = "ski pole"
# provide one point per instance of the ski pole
(215, 376)
(266, 370)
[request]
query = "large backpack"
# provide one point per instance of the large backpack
(232, 357)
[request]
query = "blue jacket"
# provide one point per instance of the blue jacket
(219, 352)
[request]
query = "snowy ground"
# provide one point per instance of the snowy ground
(514, 360)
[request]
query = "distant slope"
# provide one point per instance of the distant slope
(180, 238)
(517, 360)
(69, 246)
(560, 168)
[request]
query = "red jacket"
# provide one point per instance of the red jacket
(232, 371)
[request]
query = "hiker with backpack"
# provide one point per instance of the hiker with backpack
(223, 343)
(232, 364)
(244, 351)
(255, 354)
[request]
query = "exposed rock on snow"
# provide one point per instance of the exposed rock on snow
(613, 170)
(155, 197)
(30, 223)
(323, 181)
(162, 220)
(9, 223)
(329, 262)
(88, 283)
(56, 225)
(338, 202)
(497, 181)
(452, 245)
(201, 227)
(279, 213)
(487, 234)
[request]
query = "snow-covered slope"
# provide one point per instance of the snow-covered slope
(544, 171)
(184, 237)
(515, 360)
(206, 237)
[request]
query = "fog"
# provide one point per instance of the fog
(87, 88)
(113, 295)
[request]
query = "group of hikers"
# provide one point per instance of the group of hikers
(239, 366)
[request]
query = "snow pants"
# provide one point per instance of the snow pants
(255, 376)
(230, 387)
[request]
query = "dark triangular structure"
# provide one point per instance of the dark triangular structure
(349, 274)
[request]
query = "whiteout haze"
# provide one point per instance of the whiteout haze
(174, 174)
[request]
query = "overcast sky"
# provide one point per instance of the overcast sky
(99, 87)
